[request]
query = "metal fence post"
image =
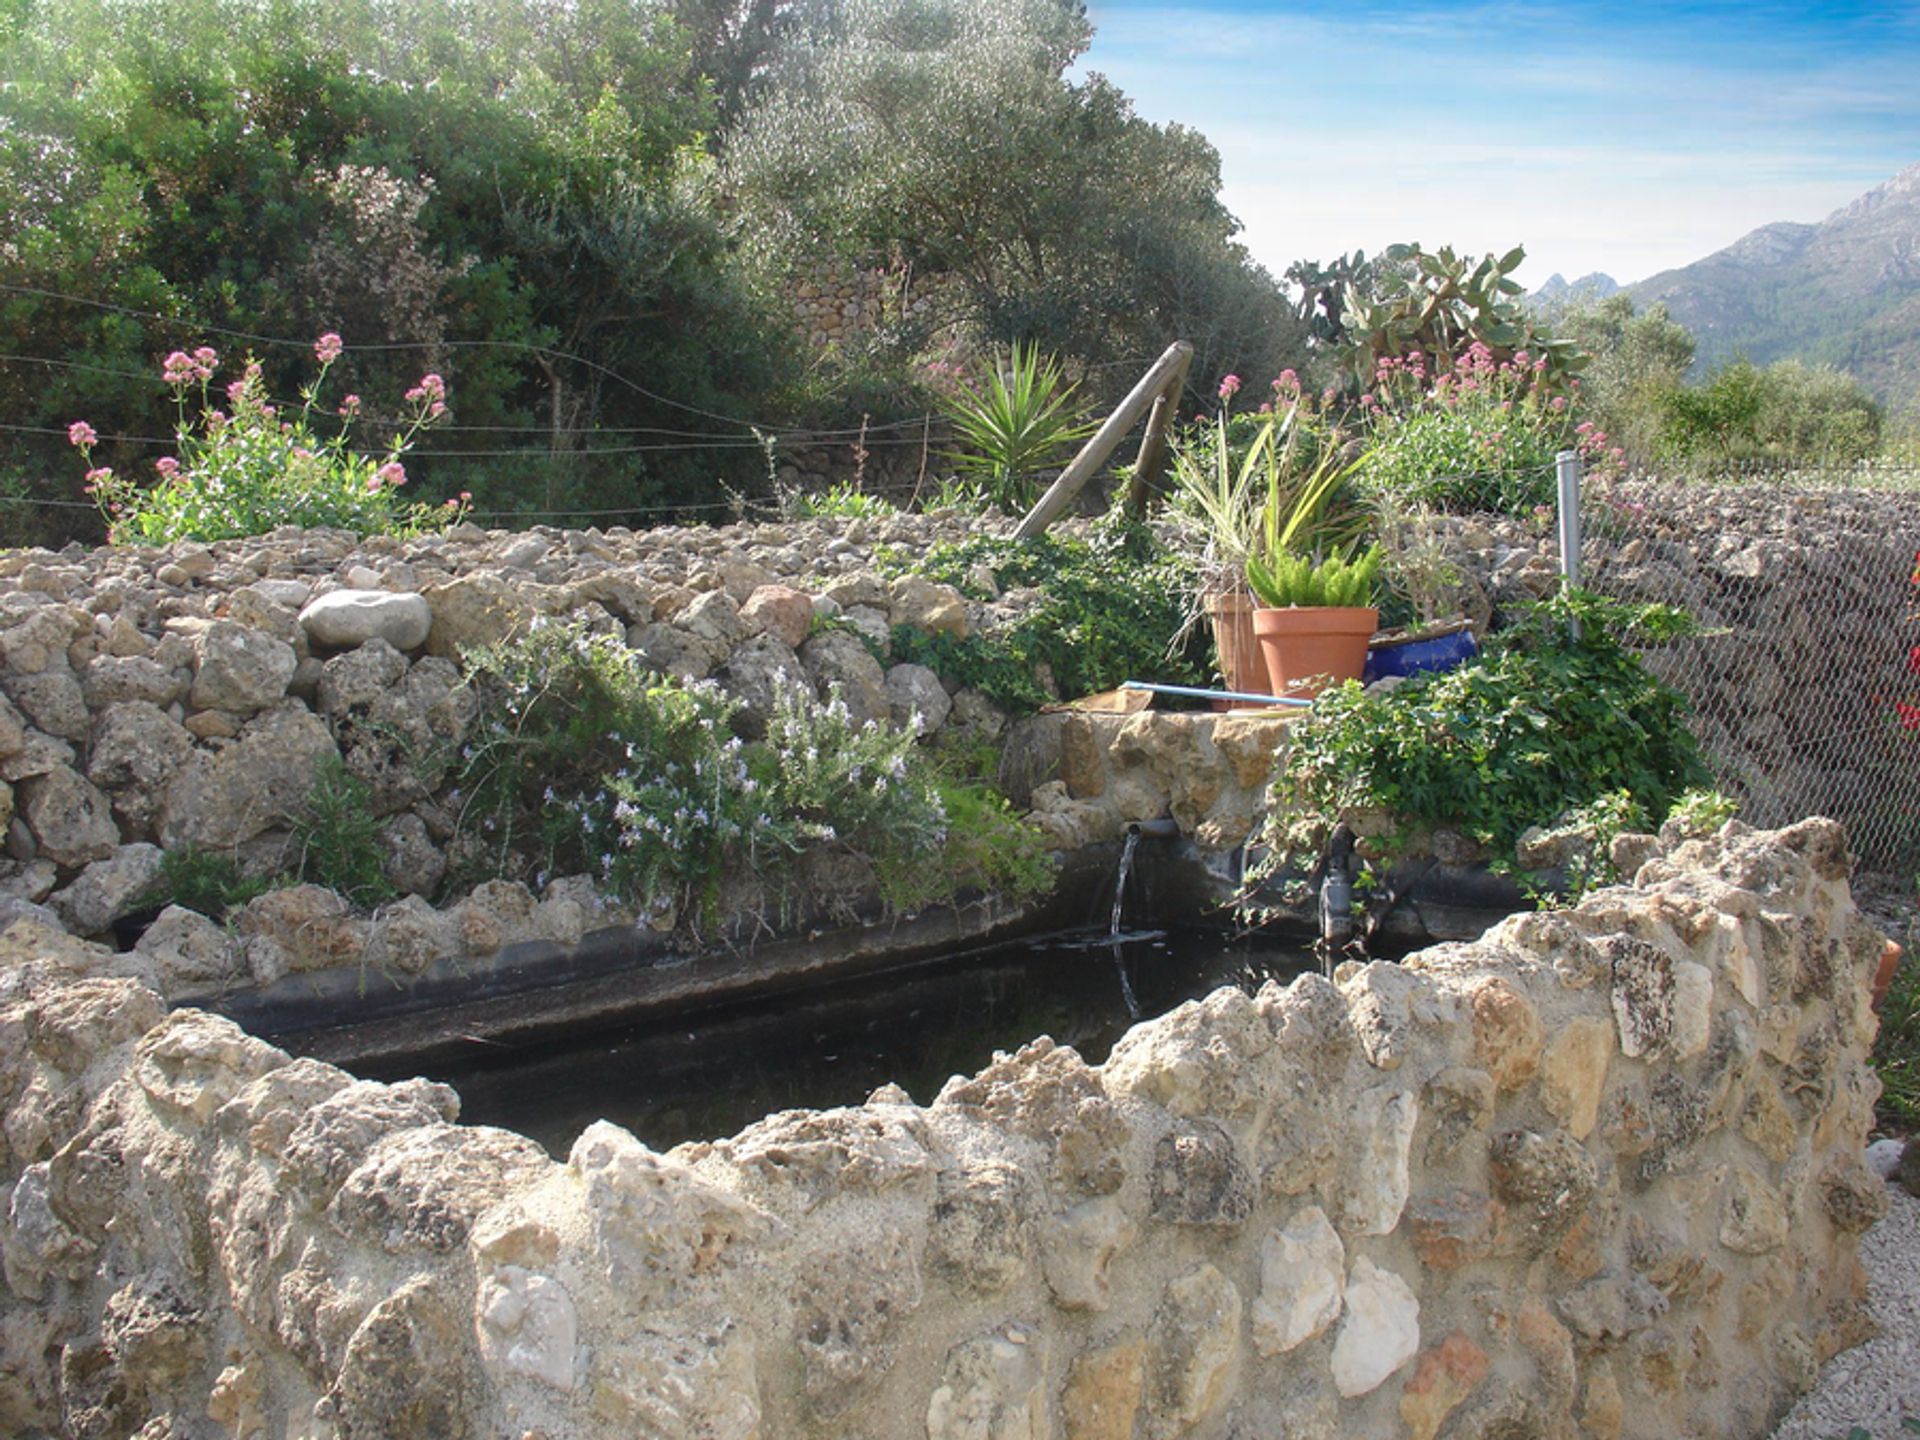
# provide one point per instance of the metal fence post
(1566, 466)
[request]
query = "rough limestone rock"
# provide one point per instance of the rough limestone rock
(994, 1388)
(780, 611)
(1196, 1341)
(1381, 1331)
(916, 700)
(240, 670)
(1243, 1224)
(474, 610)
(108, 889)
(71, 821)
(190, 953)
(342, 619)
(839, 663)
(137, 750)
(1303, 1283)
(761, 670)
(220, 800)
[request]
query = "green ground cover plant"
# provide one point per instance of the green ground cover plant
(1557, 715)
(1109, 608)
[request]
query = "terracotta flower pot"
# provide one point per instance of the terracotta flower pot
(1242, 664)
(1883, 977)
(1311, 647)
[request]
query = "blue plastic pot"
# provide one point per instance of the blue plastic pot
(1410, 657)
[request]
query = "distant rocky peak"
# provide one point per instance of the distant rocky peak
(1902, 189)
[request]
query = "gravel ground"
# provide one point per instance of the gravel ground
(1876, 1384)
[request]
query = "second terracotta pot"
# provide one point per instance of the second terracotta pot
(1243, 665)
(1311, 647)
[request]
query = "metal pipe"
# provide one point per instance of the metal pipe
(1198, 694)
(1336, 889)
(1567, 468)
(1165, 828)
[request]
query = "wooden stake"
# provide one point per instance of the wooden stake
(1107, 438)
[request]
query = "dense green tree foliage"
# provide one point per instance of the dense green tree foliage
(946, 134)
(517, 195)
(1637, 360)
(581, 213)
(1789, 412)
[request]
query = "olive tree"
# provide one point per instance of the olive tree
(947, 134)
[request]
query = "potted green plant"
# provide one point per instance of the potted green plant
(1430, 628)
(1317, 615)
(1224, 511)
(1214, 507)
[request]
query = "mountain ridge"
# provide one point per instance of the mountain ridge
(1843, 291)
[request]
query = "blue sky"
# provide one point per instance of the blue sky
(1625, 137)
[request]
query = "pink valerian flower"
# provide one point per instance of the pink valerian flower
(327, 348)
(350, 407)
(97, 479)
(431, 389)
(391, 473)
(178, 369)
(80, 435)
(1288, 381)
(1229, 386)
(167, 466)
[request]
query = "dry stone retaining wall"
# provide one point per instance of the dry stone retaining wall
(1598, 1174)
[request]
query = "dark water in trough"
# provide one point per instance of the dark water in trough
(711, 1074)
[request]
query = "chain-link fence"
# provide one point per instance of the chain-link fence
(1805, 682)
(1805, 678)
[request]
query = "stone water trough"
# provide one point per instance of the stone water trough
(1596, 1174)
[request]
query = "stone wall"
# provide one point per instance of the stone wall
(155, 699)
(1598, 1174)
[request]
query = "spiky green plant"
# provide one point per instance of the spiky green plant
(1288, 578)
(1015, 425)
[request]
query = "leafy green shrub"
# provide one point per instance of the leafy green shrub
(203, 880)
(1541, 724)
(1111, 608)
(249, 471)
(583, 763)
(1701, 812)
(336, 837)
(988, 849)
(843, 501)
(1788, 412)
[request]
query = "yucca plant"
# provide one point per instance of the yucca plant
(1015, 425)
(1287, 578)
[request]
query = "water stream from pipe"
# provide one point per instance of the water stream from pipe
(1116, 935)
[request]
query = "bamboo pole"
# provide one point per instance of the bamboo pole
(1106, 439)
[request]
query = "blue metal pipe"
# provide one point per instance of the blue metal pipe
(1198, 694)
